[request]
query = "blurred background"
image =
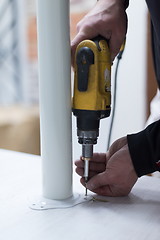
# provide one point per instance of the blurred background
(19, 101)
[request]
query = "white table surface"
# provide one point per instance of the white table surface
(128, 218)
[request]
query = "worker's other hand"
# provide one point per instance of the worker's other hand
(108, 19)
(111, 174)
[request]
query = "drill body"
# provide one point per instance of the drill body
(92, 93)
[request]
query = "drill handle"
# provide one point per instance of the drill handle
(98, 39)
(85, 58)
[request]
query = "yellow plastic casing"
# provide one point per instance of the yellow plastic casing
(98, 94)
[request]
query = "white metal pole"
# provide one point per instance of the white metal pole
(55, 98)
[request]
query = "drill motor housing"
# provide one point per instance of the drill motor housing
(92, 88)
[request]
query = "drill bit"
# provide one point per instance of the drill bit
(86, 172)
(86, 180)
(87, 154)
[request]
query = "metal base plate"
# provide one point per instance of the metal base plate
(41, 203)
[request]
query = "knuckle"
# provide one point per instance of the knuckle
(82, 25)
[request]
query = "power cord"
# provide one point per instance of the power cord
(119, 57)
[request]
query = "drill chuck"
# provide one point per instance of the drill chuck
(87, 137)
(87, 151)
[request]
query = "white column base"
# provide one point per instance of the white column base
(41, 203)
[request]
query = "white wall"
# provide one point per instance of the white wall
(131, 95)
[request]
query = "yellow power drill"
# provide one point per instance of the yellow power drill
(92, 93)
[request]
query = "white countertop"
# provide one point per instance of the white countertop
(128, 218)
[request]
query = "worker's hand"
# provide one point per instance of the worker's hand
(108, 19)
(111, 174)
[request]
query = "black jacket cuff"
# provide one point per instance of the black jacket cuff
(141, 147)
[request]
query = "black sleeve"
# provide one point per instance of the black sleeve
(154, 6)
(126, 3)
(144, 148)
